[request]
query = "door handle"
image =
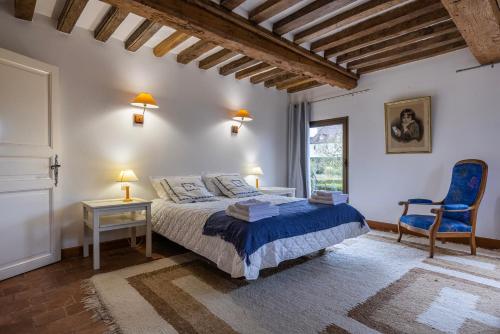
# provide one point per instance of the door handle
(55, 168)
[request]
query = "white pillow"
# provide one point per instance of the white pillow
(235, 186)
(208, 179)
(156, 183)
(186, 189)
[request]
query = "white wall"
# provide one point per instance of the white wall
(190, 133)
(465, 124)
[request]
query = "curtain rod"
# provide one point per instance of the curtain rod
(476, 67)
(337, 96)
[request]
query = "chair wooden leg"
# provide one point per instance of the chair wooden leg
(432, 239)
(473, 245)
(400, 233)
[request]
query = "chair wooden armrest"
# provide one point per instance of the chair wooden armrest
(443, 210)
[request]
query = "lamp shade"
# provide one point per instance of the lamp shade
(144, 100)
(127, 175)
(255, 171)
(243, 115)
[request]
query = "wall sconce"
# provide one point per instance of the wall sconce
(145, 101)
(241, 116)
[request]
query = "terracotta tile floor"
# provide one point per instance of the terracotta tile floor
(48, 300)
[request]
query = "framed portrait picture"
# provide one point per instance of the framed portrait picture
(408, 126)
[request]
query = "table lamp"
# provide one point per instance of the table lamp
(256, 171)
(125, 176)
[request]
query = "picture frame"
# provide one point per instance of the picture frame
(408, 126)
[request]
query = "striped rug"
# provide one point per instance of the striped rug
(370, 284)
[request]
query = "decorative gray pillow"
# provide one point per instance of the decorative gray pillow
(208, 179)
(186, 189)
(235, 186)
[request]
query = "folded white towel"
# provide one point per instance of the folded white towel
(321, 201)
(326, 193)
(336, 198)
(252, 205)
(270, 210)
(235, 212)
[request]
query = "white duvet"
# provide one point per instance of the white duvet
(183, 224)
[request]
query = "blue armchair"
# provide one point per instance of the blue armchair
(457, 215)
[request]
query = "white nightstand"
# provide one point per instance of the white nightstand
(113, 214)
(280, 191)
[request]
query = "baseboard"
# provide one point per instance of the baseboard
(480, 241)
(106, 245)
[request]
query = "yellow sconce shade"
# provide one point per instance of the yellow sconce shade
(144, 100)
(241, 116)
(127, 175)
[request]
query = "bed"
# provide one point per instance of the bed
(184, 224)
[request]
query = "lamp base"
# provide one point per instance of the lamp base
(257, 182)
(234, 129)
(138, 119)
(127, 194)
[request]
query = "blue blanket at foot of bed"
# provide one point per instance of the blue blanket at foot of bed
(295, 218)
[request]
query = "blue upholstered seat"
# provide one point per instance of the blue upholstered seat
(424, 222)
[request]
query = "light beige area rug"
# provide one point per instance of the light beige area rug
(370, 284)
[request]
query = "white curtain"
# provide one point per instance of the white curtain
(299, 116)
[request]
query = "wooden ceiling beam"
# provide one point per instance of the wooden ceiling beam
(194, 51)
(479, 23)
(252, 70)
(279, 79)
(428, 32)
(293, 82)
(256, 79)
(406, 50)
(414, 57)
(307, 14)
(169, 43)
(216, 58)
(69, 15)
(24, 9)
(231, 4)
(383, 21)
(141, 35)
(109, 23)
(237, 65)
(208, 21)
(415, 24)
(349, 16)
(304, 86)
(269, 8)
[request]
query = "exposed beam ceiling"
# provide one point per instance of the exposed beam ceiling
(304, 86)
(231, 4)
(386, 20)
(479, 23)
(71, 12)
(293, 82)
(256, 79)
(270, 8)
(207, 20)
(24, 9)
(110, 22)
(408, 49)
(414, 57)
(349, 16)
(194, 51)
(216, 58)
(432, 31)
(306, 14)
(279, 79)
(237, 65)
(418, 23)
(142, 34)
(170, 43)
(256, 69)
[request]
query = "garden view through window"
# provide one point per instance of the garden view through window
(327, 154)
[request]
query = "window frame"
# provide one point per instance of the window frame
(344, 121)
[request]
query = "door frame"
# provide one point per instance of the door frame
(344, 121)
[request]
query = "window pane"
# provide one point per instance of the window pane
(326, 157)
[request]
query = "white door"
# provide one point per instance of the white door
(29, 230)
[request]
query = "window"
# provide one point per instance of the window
(328, 154)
